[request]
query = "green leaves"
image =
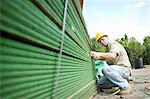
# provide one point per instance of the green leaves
(136, 49)
(146, 43)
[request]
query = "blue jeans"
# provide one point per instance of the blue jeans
(114, 76)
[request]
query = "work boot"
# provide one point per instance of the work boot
(111, 90)
(125, 91)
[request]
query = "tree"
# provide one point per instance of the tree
(146, 57)
(134, 48)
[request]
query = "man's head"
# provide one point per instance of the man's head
(103, 39)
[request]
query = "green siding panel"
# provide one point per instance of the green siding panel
(29, 47)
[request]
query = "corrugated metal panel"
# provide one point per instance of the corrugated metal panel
(30, 45)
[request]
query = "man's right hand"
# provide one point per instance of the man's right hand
(94, 55)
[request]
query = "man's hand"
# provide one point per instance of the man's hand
(103, 56)
(95, 55)
(92, 53)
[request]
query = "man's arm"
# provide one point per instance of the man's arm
(103, 56)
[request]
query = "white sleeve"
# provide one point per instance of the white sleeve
(114, 48)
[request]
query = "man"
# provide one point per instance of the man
(117, 73)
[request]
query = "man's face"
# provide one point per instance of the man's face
(104, 41)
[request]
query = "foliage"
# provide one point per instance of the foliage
(146, 43)
(134, 48)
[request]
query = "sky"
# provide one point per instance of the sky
(117, 17)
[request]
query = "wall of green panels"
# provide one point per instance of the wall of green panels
(30, 40)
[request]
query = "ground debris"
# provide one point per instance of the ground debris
(147, 89)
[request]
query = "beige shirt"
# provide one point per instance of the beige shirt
(122, 57)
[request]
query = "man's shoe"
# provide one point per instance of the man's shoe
(125, 91)
(111, 90)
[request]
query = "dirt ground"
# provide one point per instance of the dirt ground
(140, 86)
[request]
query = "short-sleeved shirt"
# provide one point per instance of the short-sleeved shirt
(122, 57)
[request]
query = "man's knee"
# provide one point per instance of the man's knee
(106, 70)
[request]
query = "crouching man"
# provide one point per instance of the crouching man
(117, 73)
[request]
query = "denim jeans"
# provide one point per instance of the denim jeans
(114, 76)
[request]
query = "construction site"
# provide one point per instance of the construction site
(44, 53)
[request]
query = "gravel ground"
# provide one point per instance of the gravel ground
(140, 86)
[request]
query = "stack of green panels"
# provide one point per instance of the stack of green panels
(31, 33)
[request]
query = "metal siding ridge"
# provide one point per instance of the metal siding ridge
(54, 19)
(58, 65)
(43, 46)
(72, 87)
(79, 22)
(75, 3)
(80, 90)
